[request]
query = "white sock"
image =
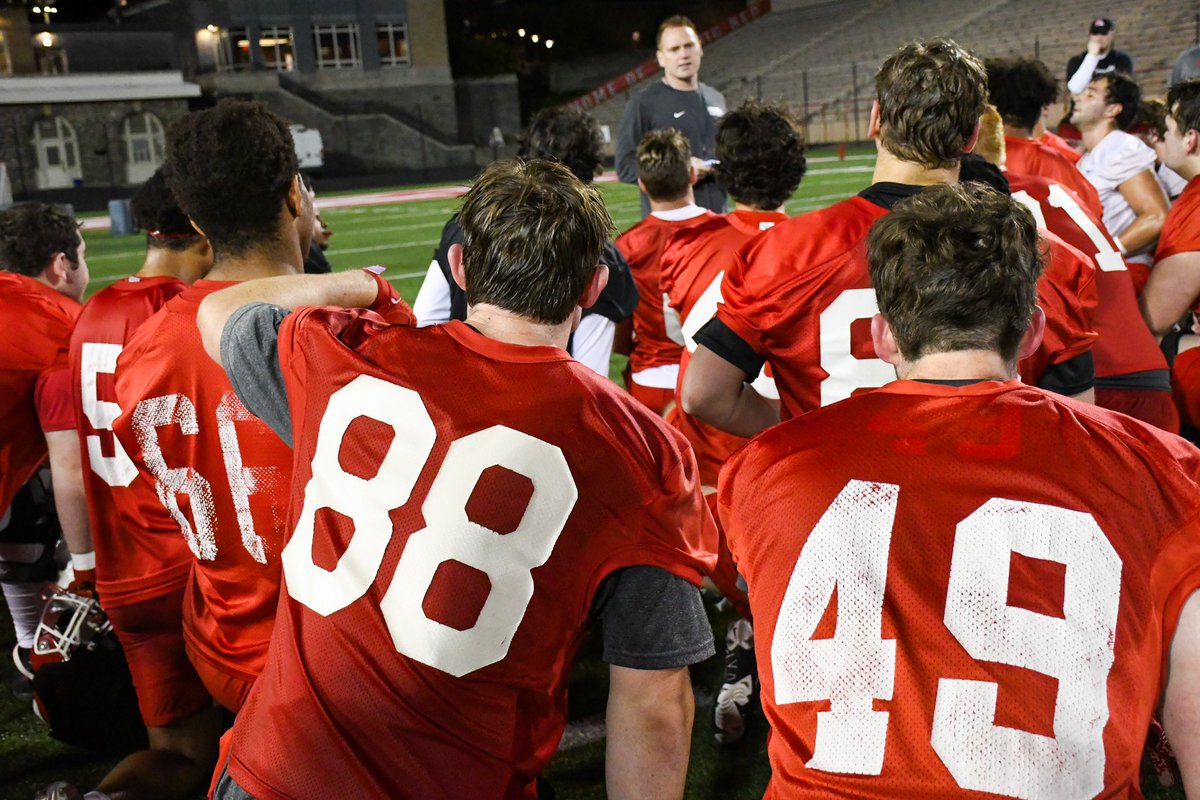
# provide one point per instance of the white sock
(25, 604)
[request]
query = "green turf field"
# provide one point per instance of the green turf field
(402, 237)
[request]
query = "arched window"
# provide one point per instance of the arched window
(144, 146)
(57, 150)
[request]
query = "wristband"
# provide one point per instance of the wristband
(1120, 245)
(84, 561)
(383, 289)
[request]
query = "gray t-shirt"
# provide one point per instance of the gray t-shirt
(650, 619)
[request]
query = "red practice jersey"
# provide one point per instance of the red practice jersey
(642, 245)
(1060, 145)
(800, 296)
(446, 551)
(947, 606)
(34, 391)
(139, 552)
(694, 263)
(222, 474)
(1032, 157)
(1181, 230)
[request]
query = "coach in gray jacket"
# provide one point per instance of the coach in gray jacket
(679, 101)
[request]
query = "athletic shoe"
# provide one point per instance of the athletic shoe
(22, 681)
(738, 695)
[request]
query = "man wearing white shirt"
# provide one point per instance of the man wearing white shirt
(1120, 165)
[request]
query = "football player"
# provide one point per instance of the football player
(1131, 373)
(573, 138)
(760, 150)
(450, 546)
(1120, 165)
(1005, 622)
(666, 176)
(142, 561)
(1020, 88)
(222, 474)
(800, 296)
(43, 274)
(1174, 285)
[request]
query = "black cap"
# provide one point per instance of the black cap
(1102, 25)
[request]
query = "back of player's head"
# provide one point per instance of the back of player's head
(674, 21)
(32, 234)
(990, 144)
(156, 211)
(1122, 89)
(955, 267)
(1152, 115)
(1020, 88)
(231, 167)
(931, 94)
(760, 150)
(567, 135)
(1183, 104)
(664, 160)
(533, 234)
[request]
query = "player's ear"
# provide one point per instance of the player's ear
(692, 175)
(454, 254)
(1191, 142)
(873, 121)
(56, 271)
(970, 145)
(642, 187)
(1033, 336)
(884, 340)
(295, 197)
(591, 293)
(196, 227)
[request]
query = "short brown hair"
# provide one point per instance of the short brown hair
(955, 267)
(1020, 88)
(533, 234)
(1120, 89)
(32, 234)
(1183, 102)
(760, 154)
(664, 159)
(675, 21)
(567, 135)
(931, 94)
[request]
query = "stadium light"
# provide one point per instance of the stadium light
(46, 38)
(534, 38)
(211, 28)
(37, 9)
(521, 32)
(549, 43)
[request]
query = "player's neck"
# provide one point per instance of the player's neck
(1189, 168)
(283, 258)
(681, 85)
(1013, 132)
(505, 326)
(890, 169)
(960, 365)
(672, 205)
(165, 263)
(1094, 134)
(756, 210)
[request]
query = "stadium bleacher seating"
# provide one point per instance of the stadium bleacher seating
(819, 57)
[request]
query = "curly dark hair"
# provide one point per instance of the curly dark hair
(1183, 100)
(157, 213)
(1124, 90)
(1020, 88)
(760, 150)
(532, 236)
(931, 95)
(230, 167)
(32, 234)
(567, 135)
(955, 267)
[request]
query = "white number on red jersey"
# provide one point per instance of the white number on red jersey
(704, 309)
(177, 409)
(1107, 258)
(448, 535)
(846, 371)
(95, 359)
(849, 548)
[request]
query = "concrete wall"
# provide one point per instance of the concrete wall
(98, 127)
(15, 27)
(584, 74)
(487, 103)
(118, 50)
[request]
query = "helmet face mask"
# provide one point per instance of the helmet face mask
(69, 622)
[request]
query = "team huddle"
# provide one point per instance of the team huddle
(924, 440)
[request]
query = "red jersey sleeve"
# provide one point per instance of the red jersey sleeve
(1181, 231)
(745, 291)
(1067, 294)
(52, 396)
